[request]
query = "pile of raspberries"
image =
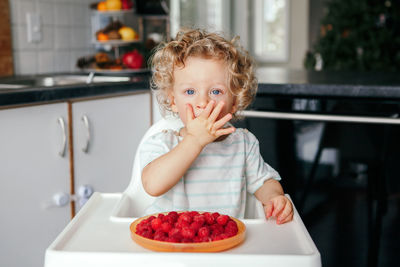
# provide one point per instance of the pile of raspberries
(187, 227)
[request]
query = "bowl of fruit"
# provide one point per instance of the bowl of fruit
(188, 231)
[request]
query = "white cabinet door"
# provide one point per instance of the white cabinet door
(31, 172)
(106, 134)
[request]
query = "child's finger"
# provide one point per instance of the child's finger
(221, 122)
(225, 131)
(286, 219)
(278, 206)
(189, 112)
(206, 112)
(269, 208)
(216, 111)
(287, 213)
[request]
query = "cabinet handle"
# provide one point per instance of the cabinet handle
(86, 123)
(84, 193)
(64, 136)
(61, 199)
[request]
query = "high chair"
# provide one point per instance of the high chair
(99, 234)
(134, 199)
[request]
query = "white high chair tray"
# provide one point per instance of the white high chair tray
(93, 238)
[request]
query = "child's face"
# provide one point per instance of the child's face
(198, 82)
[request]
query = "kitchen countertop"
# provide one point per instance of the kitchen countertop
(47, 94)
(317, 84)
(272, 82)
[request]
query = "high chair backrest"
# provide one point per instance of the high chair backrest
(140, 200)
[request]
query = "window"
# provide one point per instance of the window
(212, 15)
(271, 30)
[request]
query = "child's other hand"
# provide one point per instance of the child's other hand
(206, 128)
(279, 207)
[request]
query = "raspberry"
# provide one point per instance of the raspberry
(187, 227)
(215, 215)
(151, 218)
(160, 235)
(147, 234)
(203, 232)
(193, 213)
(223, 236)
(231, 226)
(217, 228)
(197, 239)
(175, 233)
(143, 227)
(216, 237)
(185, 218)
(209, 218)
(222, 219)
(172, 239)
(166, 227)
(206, 239)
(230, 233)
(174, 215)
(156, 223)
(199, 219)
(180, 225)
(161, 216)
(195, 226)
(188, 232)
(231, 223)
(170, 219)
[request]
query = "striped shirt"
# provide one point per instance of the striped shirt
(217, 180)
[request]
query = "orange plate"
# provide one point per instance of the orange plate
(213, 246)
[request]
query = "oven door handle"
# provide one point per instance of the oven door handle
(318, 117)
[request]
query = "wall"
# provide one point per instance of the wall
(6, 63)
(65, 35)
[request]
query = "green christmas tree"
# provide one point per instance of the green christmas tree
(361, 35)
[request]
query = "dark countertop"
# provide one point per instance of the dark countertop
(302, 83)
(272, 82)
(41, 94)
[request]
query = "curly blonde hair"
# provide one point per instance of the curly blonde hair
(200, 43)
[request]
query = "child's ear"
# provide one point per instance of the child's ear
(235, 105)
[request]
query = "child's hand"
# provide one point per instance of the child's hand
(206, 128)
(279, 207)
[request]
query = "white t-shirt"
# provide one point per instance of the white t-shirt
(219, 177)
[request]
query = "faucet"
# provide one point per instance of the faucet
(90, 77)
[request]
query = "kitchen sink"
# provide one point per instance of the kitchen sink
(59, 80)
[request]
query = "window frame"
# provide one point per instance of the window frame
(225, 26)
(258, 9)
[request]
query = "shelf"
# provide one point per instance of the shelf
(117, 42)
(113, 12)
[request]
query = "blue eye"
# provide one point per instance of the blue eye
(216, 92)
(190, 91)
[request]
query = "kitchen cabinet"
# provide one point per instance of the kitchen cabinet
(106, 133)
(36, 165)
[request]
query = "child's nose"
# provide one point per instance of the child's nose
(202, 102)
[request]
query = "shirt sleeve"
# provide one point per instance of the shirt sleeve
(156, 146)
(256, 170)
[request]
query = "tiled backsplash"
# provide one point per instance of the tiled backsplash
(65, 28)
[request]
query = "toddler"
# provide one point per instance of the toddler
(204, 80)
